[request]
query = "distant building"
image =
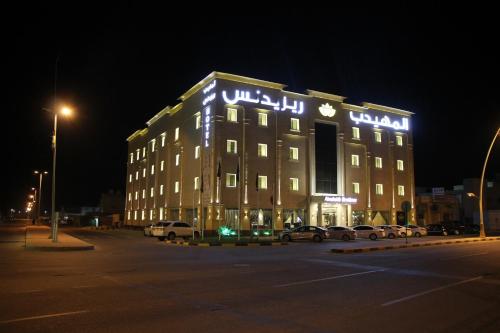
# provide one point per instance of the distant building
(437, 206)
(112, 202)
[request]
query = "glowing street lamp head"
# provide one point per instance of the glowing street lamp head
(65, 111)
(472, 195)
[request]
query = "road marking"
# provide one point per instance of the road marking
(431, 291)
(326, 279)
(29, 291)
(465, 256)
(43, 317)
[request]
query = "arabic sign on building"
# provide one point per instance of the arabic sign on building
(385, 121)
(438, 191)
(341, 199)
(207, 111)
(258, 98)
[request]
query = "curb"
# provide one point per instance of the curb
(190, 243)
(60, 248)
(391, 247)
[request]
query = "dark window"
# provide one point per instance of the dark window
(326, 158)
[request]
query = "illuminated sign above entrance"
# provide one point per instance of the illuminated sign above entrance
(246, 96)
(341, 199)
(385, 121)
(327, 110)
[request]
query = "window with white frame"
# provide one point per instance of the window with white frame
(355, 188)
(136, 175)
(378, 162)
(143, 172)
(378, 137)
(262, 119)
(197, 152)
(143, 214)
(131, 158)
(130, 178)
(136, 195)
(176, 187)
(138, 153)
(153, 145)
(128, 215)
(262, 182)
(153, 169)
(294, 124)
(161, 189)
(129, 196)
(198, 121)
(177, 159)
(400, 165)
(355, 133)
(232, 115)
(144, 193)
(196, 183)
(399, 140)
(379, 189)
(162, 164)
(294, 153)
(176, 135)
(232, 146)
(151, 214)
(262, 150)
(161, 213)
(143, 152)
(152, 192)
(135, 215)
(355, 160)
(294, 184)
(401, 190)
(230, 180)
(163, 138)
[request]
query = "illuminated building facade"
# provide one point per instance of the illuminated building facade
(242, 152)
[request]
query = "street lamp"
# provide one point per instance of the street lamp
(481, 217)
(39, 202)
(65, 111)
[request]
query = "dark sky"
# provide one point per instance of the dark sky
(120, 65)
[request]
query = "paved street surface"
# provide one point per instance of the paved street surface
(130, 283)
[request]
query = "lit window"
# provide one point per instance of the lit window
(231, 147)
(138, 151)
(161, 213)
(378, 137)
(161, 189)
(131, 158)
(232, 115)
(379, 189)
(355, 133)
(135, 215)
(130, 196)
(130, 178)
(378, 162)
(176, 187)
(153, 169)
(143, 152)
(144, 194)
(151, 214)
(176, 136)
(262, 119)
(177, 159)
(163, 137)
(143, 215)
(230, 180)
(355, 188)
(136, 195)
(401, 165)
(152, 192)
(294, 184)
(262, 150)
(136, 175)
(262, 182)
(143, 172)
(153, 144)
(197, 152)
(355, 160)
(196, 183)
(128, 215)
(399, 140)
(401, 190)
(294, 153)
(198, 121)
(162, 163)
(294, 126)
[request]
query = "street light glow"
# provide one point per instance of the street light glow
(65, 111)
(472, 195)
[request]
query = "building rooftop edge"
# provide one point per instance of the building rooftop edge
(387, 109)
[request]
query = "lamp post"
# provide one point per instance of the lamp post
(481, 217)
(39, 201)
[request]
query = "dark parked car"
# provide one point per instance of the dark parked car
(308, 232)
(454, 227)
(436, 230)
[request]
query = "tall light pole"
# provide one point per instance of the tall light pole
(481, 217)
(39, 202)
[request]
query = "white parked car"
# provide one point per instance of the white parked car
(391, 231)
(404, 231)
(173, 229)
(417, 231)
(148, 229)
(368, 231)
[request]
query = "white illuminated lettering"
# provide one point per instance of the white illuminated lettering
(327, 110)
(209, 87)
(384, 122)
(341, 199)
(245, 96)
(208, 99)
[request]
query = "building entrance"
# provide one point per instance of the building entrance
(329, 217)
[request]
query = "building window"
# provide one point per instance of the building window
(355, 160)
(138, 154)
(176, 187)
(163, 137)
(152, 192)
(355, 133)
(176, 136)
(128, 215)
(294, 184)
(131, 158)
(136, 175)
(197, 152)
(379, 189)
(401, 190)
(135, 215)
(151, 214)
(136, 195)
(143, 152)
(196, 183)
(162, 164)
(153, 144)
(401, 165)
(294, 154)
(230, 180)
(263, 119)
(198, 121)
(295, 125)
(143, 172)
(153, 169)
(130, 196)
(399, 140)
(262, 150)
(262, 182)
(378, 137)
(378, 162)
(161, 213)
(355, 188)
(144, 193)
(143, 214)
(161, 189)
(130, 178)
(177, 159)
(231, 146)
(232, 115)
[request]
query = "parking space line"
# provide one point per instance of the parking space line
(326, 279)
(431, 291)
(43, 317)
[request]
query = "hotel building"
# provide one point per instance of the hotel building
(242, 152)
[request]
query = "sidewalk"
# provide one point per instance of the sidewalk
(37, 238)
(400, 243)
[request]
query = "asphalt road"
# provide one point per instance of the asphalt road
(135, 284)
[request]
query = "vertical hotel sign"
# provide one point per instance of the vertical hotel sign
(207, 99)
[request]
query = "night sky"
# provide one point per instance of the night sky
(120, 66)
